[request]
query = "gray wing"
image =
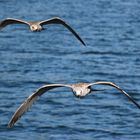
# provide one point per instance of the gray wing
(9, 21)
(30, 100)
(122, 91)
(57, 20)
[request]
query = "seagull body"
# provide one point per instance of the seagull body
(38, 25)
(35, 26)
(79, 90)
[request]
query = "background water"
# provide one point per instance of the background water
(111, 30)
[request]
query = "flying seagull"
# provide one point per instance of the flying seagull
(37, 25)
(79, 90)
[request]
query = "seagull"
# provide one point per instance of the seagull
(79, 89)
(37, 25)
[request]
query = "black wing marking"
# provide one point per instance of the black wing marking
(9, 21)
(30, 100)
(122, 91)
(57, 20)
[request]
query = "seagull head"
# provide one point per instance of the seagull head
(81, 92)
(35, 27)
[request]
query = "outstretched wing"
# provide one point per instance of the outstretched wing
(122, 91)
(9, 21)
(57, 20)
(30, 100)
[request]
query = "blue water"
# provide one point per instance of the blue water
(111, 30)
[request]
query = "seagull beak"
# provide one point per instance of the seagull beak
(78, 96)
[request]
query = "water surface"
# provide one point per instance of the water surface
(111, 30)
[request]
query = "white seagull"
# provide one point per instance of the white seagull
(37, 25)
(79, 90)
